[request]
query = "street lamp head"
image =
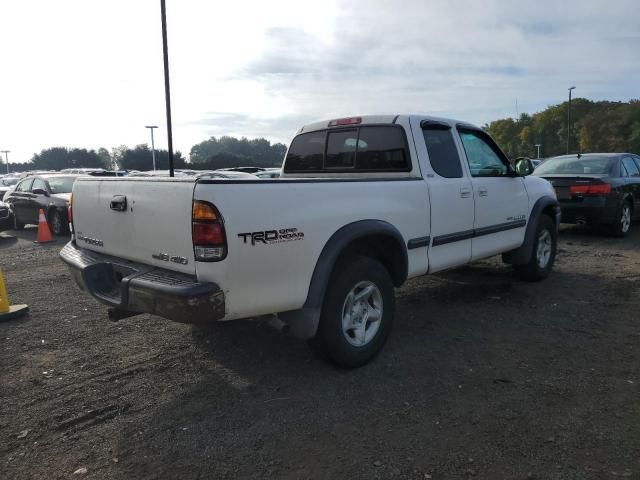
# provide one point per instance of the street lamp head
(571, 88)
(150, 126)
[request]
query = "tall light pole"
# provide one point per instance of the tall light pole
(153, 145)
(569, 120)
(167, 95)
(6, 156)
(538, 145)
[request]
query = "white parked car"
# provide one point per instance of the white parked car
(7, 184)
(363, 204)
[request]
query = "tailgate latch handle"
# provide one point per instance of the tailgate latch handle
(118, 203)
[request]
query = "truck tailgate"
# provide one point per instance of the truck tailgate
(146, 220)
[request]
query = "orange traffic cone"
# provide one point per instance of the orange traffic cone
(44, 234)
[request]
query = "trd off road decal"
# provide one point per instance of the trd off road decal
(272, 236)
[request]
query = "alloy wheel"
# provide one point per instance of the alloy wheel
(625, 219)
(544, 249)
(362, 313)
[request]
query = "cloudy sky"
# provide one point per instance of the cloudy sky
(88, 73)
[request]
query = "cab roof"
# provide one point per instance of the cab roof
(375, 119)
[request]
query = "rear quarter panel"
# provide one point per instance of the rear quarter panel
(264, 278)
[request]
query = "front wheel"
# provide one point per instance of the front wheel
(357, 314)
(543, 253)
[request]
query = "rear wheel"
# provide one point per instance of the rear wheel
(543, 253)
(622, 225)
(357, 314)
(56, 223)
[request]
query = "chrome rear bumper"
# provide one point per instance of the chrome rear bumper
(137, 288)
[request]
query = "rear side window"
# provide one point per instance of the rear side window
(306, 152)
(25, 185)
(443, 153)
(363, 149)
(631, 167)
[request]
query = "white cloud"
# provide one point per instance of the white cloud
(89, 74)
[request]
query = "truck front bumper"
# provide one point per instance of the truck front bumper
(137, 288)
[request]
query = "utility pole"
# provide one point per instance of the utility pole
(538, 145)
(6, 156)
(165, 54)
(569, 120)
(153, 146)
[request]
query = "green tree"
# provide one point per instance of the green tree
(140, 158)
(214, 152)
(597, 127)
(58, 158)
(634, 138)
(105, 156)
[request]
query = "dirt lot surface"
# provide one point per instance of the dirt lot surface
(483, 377)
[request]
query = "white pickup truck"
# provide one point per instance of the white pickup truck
(363, 204)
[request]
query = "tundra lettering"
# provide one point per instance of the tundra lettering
(90, 241)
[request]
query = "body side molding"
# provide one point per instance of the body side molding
(418, 242)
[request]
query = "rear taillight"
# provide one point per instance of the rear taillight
(597, 190)
(209, 238)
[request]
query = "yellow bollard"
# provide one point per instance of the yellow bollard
(8, 311)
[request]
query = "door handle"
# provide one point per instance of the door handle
(483, 192)
(118, 203)
(465, 192)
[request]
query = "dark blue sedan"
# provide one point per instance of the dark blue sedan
(596, 188)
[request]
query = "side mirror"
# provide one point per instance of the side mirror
(524, 166)
(39, 191)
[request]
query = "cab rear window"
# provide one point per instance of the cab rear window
(306, 152)
(373, 148)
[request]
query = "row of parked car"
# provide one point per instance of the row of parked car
(23, 195)
(600, 189)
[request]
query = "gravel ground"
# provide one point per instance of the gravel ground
(483, 377)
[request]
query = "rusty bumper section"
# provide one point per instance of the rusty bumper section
(136, 288)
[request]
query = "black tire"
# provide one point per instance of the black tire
(331, 340)
(533, 271)
(57, 223)
(620, 227)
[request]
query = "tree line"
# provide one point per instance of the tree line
(596, 127)
(211, 154)
(601, 126)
